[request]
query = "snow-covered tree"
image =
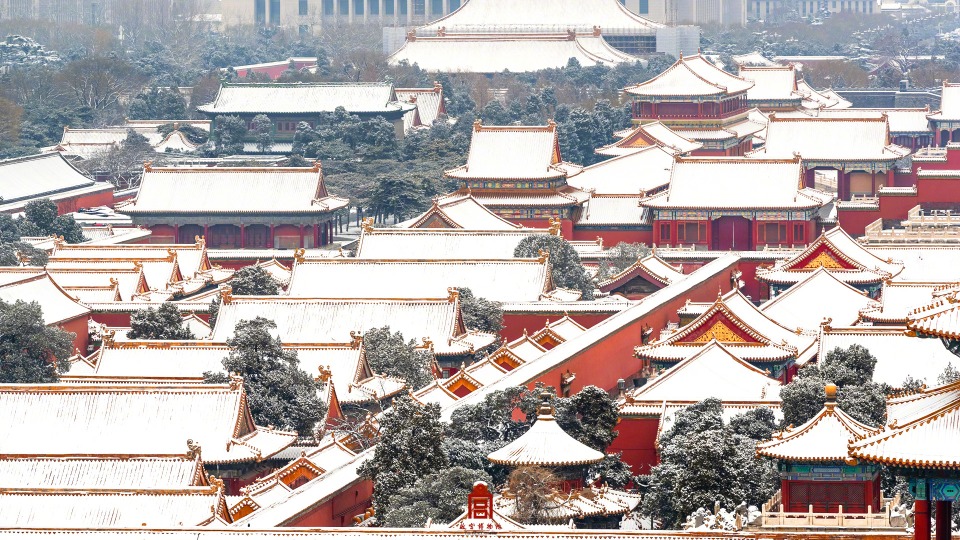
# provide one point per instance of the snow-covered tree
(230, 132)
(31, 351)
(565, 266)
(479, 313)
(279, 392)
(440, 496)
(620, 257)
(533, 488)
(388, 353)
(702, 461)
(949, 375)
(41, 219)
(263, 131)
(410, 448)
(253, 280)
(163, 322)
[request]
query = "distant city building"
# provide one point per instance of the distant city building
(306, 14)
(720, 12)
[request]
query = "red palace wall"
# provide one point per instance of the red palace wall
(514, 324)
(636, 440)
(79, 327)
(116, 319)
(339, 510)
(274, 72)
(69, 204)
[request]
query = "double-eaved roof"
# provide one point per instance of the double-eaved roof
(840, 254)
(830, 139)
(434, 321)
(688, 77)
(499, 280)
(134, 419)
(306, 98)
(516, 53)
(736, 183)
(180, 191)
(822, 439)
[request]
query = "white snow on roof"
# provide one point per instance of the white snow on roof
(771, 83)
(460, 211)
(931, 264)
(146, 472)
(826, 139)
(304, 98)
(429, 102)
(615, 210)
(949, 103)
(618, 175)
(39, 176)
(541, 16)
(527, 152)
(500, 280)
(691, 76)
(898, 299)
(823, 438)
(545, 444)
(441, 243)
(818, 297)
(58, 306)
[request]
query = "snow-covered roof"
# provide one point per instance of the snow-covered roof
(512, 152)
(891, 345)
(753, 59)
(712, 371)
(802, 306)
(651, 267)
(133, 419)
(191, 258)
(101, 472)
(565, 196)
(156, 509)
(836, 251)
(691, 76)
(897, 300)
(500, 280)
(823, 438)
(305, 98)
(737, 183)
(606, 210)
(496, 53)
(931, 264)
(232, 190)
(58, 305)
(459, 210)
(317, 320)
(771, 83)
(429, 105)
(618, 175)
(734, 321)
(939, 318)
(928, 438)
(541, 16)
(545, 444)
(447, 244)
(900, 120)
(646, 135)
(949, 103)
(41, 175)
(830, 139)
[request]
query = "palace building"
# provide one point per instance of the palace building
(443, 244)
(700, 102)
(518, 172)
(49, 176)
(946, 121)
(236, 207)
(459, 211)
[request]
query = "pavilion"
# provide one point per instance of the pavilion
(774, 89)
(802, 306)
(946, 121)
(236, 207)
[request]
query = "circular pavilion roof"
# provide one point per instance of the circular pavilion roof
(546, 444)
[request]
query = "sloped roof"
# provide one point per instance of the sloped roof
(429, 102)
(900, 120)
(753, 59)
(500, 280)
(618, 175)
(318, 320)
(538, 16)
(830, 139)
(823, 438)
(131, 419)
(827, 99)
(460, 211)
(545, 444)
(899, 354)
(941, 318)
(932, 264)
(652, 134)
(949, 103)
(772, 83)
(446, 244)
(58, 305)
(836, 251)
(897, 299)
(565, 196)
(496, 53)
(40, 175)
(506, 152)
(803, 305)
(927, 438)
(232, 190)
(737, 183)
(102, 472)
(691, 76)
(191, 258)
(651, 267)
(711, 371)
(304, 98)
(606, 210)
(734, 321)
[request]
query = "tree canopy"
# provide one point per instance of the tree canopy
(390, 354)
(279, 392)
(565, 266)
(163, 322)
(254, 281)
(31, 351)
(479, 313)
(40, 218)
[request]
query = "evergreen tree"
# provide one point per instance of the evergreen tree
(41, 219)
(163, 322)
(263, 131)
(410, 448)
(279, 392)
(565, 266)
(230, 133)
(253, 281)
(440, 496)
(156, 104)
(389, 354)
(31, 351)
(479, 313)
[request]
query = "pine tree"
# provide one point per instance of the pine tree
(163, 322)
(31, 351)
(565, 266)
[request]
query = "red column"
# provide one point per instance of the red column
(301, 235)
(243, 236)
(943, 520)
(206, 234)
(176, 234)
(921, 520)
(315, 232)
(890, 179)
(270, 240)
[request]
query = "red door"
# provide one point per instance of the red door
(732, 233)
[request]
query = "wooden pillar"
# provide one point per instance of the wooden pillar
(206, 234)
(873, 182)
(243, 236)
(270, 239)
(176, 234)
(890, 177)
(921, 513)
(301, 236)
(316, 235)
(943, 520)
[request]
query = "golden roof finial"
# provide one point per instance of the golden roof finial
(356, 338)
(452, 294)
(325, 374)
(226, 294)
(193, 449)
(544, 256)
(299, 255)
(555, 226)
(367, 225)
